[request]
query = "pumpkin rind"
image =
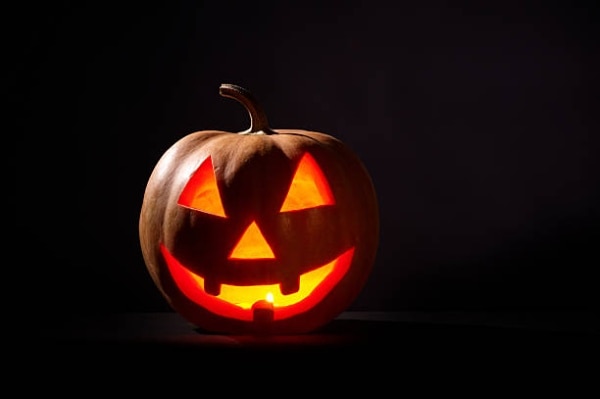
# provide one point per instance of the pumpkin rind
(253, 173)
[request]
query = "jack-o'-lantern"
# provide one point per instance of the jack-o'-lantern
(261, 231)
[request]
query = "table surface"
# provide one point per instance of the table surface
(357, 342)
(372, 329)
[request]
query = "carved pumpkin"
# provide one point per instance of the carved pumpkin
(261, 231)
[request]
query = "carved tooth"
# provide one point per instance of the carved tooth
(212, 287)
(262, 312)
(290, 285)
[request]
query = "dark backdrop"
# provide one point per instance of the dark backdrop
(478, 124)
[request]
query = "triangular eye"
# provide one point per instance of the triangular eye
(201, 193)
(309, 187)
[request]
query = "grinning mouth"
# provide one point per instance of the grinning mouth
(240, 302)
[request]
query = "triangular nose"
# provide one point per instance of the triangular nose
(252, 245)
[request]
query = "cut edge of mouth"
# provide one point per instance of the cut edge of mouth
(237, 301)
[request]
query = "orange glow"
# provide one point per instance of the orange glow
(252, 245)
(309, 187)
(201, 193)
(236, 301)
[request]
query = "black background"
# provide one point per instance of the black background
(478, 124)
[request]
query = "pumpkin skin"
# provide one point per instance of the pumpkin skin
(302, 198)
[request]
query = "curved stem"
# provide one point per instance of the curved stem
(258, 118)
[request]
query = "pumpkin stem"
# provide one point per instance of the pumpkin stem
(258, 118)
